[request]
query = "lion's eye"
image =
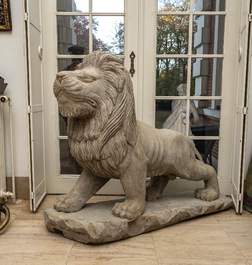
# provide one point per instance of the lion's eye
(86, 79)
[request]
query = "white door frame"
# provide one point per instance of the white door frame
(34, 72)
(62, 183)
(230, 55)
(144, 84)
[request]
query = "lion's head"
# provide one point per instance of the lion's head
(98, 100)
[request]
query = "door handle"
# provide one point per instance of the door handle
(40, 52)
(4, 209)
(132, 58)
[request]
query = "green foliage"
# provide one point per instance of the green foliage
(170, 73)
(172, 38)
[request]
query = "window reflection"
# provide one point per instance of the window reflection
(73, 30)
(163, 111)
(209, 5)
(206, 77)
(68, 64)
(209, 151)
(108, 34)
(209, 118)
(170, 73)
(173, 5)
(204, 116)
(108, 6)
(172, 34)
(68, 164)
(72, 5)
(208, 34)
(177, 120)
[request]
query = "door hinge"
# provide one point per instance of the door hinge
(32, 195)
(26, 16)
(239, 197)
(29, 109)
(245, 110)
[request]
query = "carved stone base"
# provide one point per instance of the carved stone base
(95, 223)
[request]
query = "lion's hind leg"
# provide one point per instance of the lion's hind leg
(200, 171)
(156, 187)
(211, 190)
(197, 170)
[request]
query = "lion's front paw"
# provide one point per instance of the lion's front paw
(206, 194)
(128, 209)
(69, 203)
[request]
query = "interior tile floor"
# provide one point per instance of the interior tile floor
(220, 238)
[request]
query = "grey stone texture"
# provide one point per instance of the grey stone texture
(108, 142)
(95, 223)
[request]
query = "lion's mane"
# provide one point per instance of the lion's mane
(99, 143)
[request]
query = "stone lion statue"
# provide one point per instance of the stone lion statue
(108, 142)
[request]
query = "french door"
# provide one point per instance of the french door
(177, 44)
(75, 29)
(186, 72)
(34, 66)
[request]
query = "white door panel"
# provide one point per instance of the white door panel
(35, 109)
(238, 161)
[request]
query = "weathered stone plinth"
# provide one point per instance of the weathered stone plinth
(96, 224)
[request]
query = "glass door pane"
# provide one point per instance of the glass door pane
(173, 5)
(84, 26)
(108, 34)
(188, 93)
(108, 6)
(73, 6)
(73, 35)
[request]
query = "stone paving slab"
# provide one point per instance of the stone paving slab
(95, 223)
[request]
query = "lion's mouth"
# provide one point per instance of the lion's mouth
(78, 98)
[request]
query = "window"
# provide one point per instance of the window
(189, 61)
(84, 26)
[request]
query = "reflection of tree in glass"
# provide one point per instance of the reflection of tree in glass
(81, 28)
(174, 5)
(170, 73)
(172, 34)
(172, 38)
(118, 39)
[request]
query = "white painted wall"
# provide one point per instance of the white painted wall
(12, 69)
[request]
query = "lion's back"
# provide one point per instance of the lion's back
(166, 150)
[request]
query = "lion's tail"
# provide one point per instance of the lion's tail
(196, 152)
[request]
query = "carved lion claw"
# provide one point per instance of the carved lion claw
(206, 194)
(69, 203)
(128, 209)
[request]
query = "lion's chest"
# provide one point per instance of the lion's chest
(88, 155)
